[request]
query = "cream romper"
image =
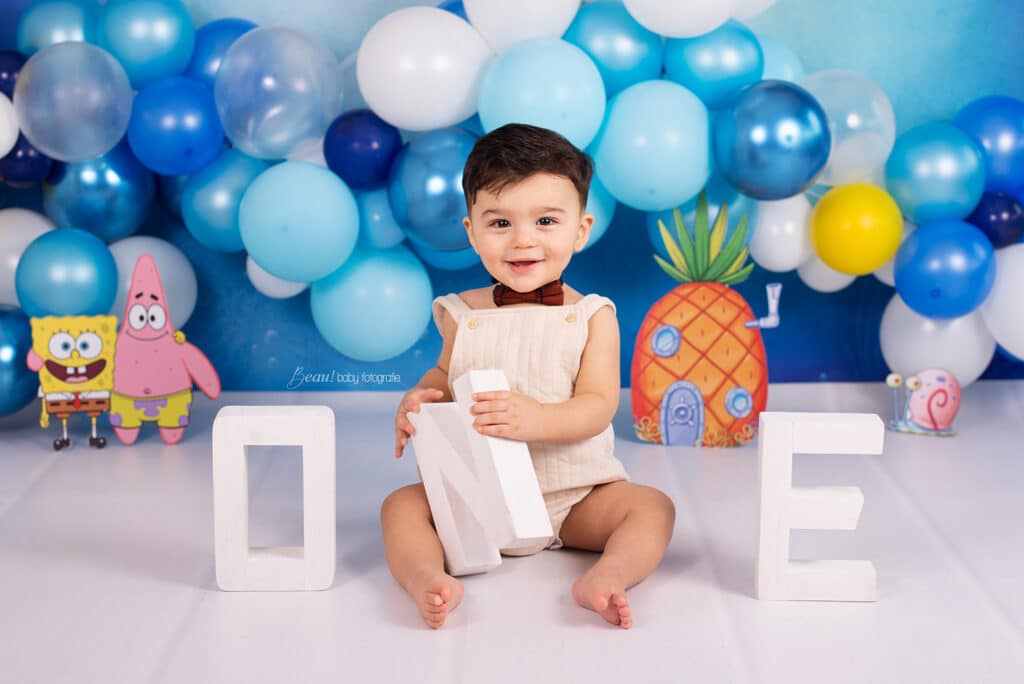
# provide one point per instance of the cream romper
(539, 348)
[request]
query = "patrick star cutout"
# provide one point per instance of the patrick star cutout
(154, 366)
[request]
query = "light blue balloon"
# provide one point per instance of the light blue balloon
(935, 172)
(47, 22)
(151, 38)
(780, 62)
(652, 150)
(444, 259)
(545, 82)
(716, 65)
(624, 52)
(374, 307)
(299, 221)
(211, 197)
(109, 196)
(66, 272)
(378, 228)
(602, 205)
(718, 192)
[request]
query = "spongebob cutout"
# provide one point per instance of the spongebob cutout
(74, 356)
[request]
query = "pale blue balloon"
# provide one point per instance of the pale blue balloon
(66, 272)
(211, 197)
(652, 151)
(624, 52)
(374, 307)
(716, 65)
(602, 205)
(780, 62)
(545, 82)
(48, 22)
(444, 259)
(299, 221)
(378, 228)
(935, 172)
(152, 39)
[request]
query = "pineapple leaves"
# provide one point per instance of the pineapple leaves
(705, 255)
(685, 242)
(673, 249)
(701, 237)
(671, 270)
(737, 277)
(733, 255)
(718, 232)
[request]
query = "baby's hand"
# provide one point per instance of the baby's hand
(507, 414)
(411, 402)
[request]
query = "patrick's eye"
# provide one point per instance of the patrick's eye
(61, 345)
(157, 317)
(137, 317)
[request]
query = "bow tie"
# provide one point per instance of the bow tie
(550, 294)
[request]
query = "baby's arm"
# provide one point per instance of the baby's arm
(433, 386)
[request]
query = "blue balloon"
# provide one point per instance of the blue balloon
(773, 141)
(17, 383)
(602, 205)
(945, 269)
(168, 192)
(444, 259)
(996, 124)
(378, 228)
(652, 150)
(935, 173)
(473, 125)
(46, 22)
(625, 52)
(544, 82)
(1001, 217)
(360, 147)
(24, 166)
(210, 200)
(152, 39)
(299, 221)
(716, 65)
(780, 62)
(109, 196)
(425, 187)
(212, 42)
(175, 129)
(455, 7)
(11, 62)
(374, 307)
(66, 272)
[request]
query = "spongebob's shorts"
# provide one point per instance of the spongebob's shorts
(169, 411)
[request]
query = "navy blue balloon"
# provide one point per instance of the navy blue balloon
(772, 141)
(945, 269)
(212, 43)
(11, 62)
(17, 383)
(24, 166)
(169, 190)
(109, 196)
(455, 7)
(1000, 216)
(360, 147)
(425, 187)
(175, 129)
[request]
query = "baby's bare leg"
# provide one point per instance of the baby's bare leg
(415, 556)
(632, 525)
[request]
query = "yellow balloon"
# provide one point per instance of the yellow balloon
(856, 228)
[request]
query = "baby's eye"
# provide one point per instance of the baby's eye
(500, 223)
(546, 221)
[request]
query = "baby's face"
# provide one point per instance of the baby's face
(526, 235)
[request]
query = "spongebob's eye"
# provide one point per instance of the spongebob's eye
(157, 317)
(89, 345)
(61, 345)
(137, 317)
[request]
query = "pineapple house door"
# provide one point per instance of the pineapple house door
(682, 414)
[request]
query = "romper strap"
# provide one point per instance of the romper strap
(453, 304)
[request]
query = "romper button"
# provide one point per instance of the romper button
(473, 323)
(570, 318)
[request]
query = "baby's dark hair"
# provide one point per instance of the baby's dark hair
(514, 152)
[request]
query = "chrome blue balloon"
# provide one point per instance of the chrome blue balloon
(46, 22)
(1000, 216)
(602, 205)
(996, 123)
(935, 172)
(378, 228)
(24, 165)
(212, 42)
(425, 187)
(360, 147)
(210, 201)
(17, 383)
(375, 306)
(174, 129)
(716, 65)
(772, 142)
(624, 51)
(109, 196)
(945, 269)
(11, 62)
(66, 272)
(444, 259)
(168, 192)
(152, 39)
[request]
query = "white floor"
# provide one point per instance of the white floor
(107, 575)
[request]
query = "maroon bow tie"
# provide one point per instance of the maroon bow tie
(550, 294)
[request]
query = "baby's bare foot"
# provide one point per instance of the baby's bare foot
(436, 594)
(604, 592)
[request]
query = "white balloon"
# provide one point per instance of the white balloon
(420, 68)
(748, 9)
(819, 276)
(176, 275)
(18, 228)
(676, 19)
(1003, 309)
(911, 342)
(504, 22)
(782, 234)
(887, 272)
(271, 285)
(8, 126)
